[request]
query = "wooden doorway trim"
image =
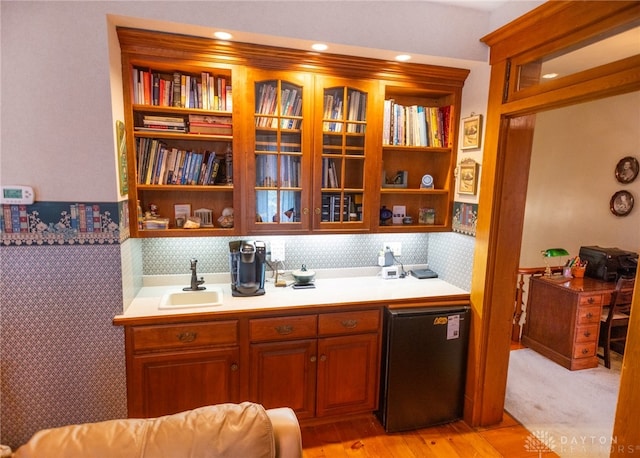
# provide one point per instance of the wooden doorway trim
(507, 151)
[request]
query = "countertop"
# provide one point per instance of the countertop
(332, 287)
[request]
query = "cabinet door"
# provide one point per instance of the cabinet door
(166, 383)
(283, 374)
(279, 152)
(345, 154)
(348, 373)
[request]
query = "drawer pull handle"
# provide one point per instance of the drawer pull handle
(349, 323)
(589, 315)
(587, 334)
(284, 329)
(186, 337)
(591, 300)
(234, 367)
(585, 351)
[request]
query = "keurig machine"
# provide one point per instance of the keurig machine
(247, 266)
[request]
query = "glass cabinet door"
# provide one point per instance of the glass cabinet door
(281, 152)
(343, 157)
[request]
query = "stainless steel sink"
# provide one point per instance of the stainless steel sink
(212, 296)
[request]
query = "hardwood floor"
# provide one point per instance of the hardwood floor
(365, 437)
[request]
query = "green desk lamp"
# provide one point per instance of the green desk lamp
(552, 253)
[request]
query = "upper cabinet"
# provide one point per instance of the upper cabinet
(214, 127)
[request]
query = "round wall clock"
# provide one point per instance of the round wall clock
(621, 203)
(627, 169)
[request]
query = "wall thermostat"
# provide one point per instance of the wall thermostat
(17, 195)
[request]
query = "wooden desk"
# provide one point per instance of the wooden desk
(563, 319)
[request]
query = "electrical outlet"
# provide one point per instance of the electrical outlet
(396, 247)
(277, 250)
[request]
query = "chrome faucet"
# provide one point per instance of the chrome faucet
(195, 283)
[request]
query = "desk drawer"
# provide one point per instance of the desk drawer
(169, 336)
(281, 328)
(589, 315)
(591, 299)
(584, 350)
(586, 333)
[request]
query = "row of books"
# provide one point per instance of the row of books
(333, 207)
(290, 106)
(416, 125)
(356, 111)
(82, 218)
(160, 164)
(330, 175)
(267, 171)
(197, 124)
(205, 91)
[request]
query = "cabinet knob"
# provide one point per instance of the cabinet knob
(585, 351)
(589, 315)
(349, 323)
(313, 359)
(186, 337)
(284, 329)
(587, 334)
(316, 211)
(305, 211)
(591, 300)
(234, 367)
(323, 357)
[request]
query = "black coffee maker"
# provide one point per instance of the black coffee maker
(247, 266)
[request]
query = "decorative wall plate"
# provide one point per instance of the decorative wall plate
(627, 169)
(621, 203)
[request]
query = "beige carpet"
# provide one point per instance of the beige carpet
(571, 412)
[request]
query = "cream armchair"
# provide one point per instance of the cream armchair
(224, 430)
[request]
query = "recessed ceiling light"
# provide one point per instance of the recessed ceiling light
(222, 35)
(403, 57)
(549, 76)
(319, 47)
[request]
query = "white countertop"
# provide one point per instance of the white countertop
(350, 286)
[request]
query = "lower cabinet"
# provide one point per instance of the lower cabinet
(171, 368)
(322, 370)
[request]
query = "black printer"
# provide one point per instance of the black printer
(608, 264)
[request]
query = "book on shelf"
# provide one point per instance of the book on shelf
(416, 125)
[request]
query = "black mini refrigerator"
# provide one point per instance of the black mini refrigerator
(424, 361)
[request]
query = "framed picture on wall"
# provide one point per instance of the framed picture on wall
(471, 132)
(627, 169)
(468, 177)
(621, 203)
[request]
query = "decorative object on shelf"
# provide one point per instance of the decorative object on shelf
(385, 216)
(621, 203)
(471, 131)
(226, 219)
(552, 253)
(399, 212)
(627, 169)
(192, 222)
(468, 177)
(426, 182)
(205, 215)
(122, 158)
(182, 211)
(427, 216)
(399, 180)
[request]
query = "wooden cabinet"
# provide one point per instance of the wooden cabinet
(176, 367)
(319, 365)
(563, 319)
(418, 155)
(305, 147)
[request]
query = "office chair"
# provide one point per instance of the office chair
(615, 319)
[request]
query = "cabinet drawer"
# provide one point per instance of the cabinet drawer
(586, 333)
(589, 315)
(584, 350)
(161, 337)
(592, 299)
(349, 322)
(280, 328)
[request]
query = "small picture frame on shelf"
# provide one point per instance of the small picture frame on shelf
(182, 211)
(468, 177)
(427, 216)
(471, 132)
(627, 169)
(399, 180)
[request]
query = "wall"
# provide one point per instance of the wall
(572, 178)
(62, 360)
